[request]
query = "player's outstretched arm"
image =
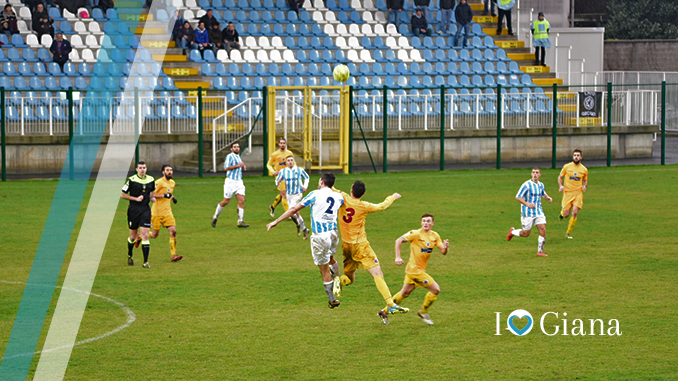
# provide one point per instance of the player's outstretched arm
(585, 184)
(560, 183)
(289, 213)
(398, 246)
(443, 246)
(130, 198)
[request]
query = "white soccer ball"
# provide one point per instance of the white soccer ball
(341, 73)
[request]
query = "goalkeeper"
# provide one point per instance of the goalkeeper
(161, 211)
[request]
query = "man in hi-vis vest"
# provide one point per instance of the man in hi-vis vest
(540, 37)
(504, 7)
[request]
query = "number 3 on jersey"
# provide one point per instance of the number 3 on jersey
(349, 215)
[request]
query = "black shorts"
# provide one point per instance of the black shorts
(139, 218)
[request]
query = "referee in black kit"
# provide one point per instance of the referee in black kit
(139, 190)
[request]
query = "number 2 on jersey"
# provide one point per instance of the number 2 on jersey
(329, 210)
(349, 215)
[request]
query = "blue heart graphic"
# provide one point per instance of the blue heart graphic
(520, 332)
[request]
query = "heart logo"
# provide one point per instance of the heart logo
(520, 314)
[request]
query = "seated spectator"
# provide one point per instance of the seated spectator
(202, 37)
(295, 5)
(231, 38)
(186, 37)
(420, 25)
(8, 20)
(60, 49)
(42, 23)
(216, 39)
(208, 19)
(176, 22)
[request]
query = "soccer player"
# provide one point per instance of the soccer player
(276, 162)
(529, 195)
(422, 241)
(573, 180)
(325, 205)
(356, 248)
(139, 190)
(161, 211)
(295, 181)
(233, 185)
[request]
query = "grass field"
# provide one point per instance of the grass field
(246, 304)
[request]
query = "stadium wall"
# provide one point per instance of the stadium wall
(641, 55)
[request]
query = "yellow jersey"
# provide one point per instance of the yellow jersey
(277, 160)
(352, 216)
(574, 176)
(421, 247)
(162, 205)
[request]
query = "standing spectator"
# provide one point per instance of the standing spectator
(540, 37)
(423, 6)
(208, 19)
(504, 7)
(231, 38)
(394, 9)
(60, 49)
(8, 20)
(176, 22)
(215, 38)
(295, 5)
(420, 25)
(464, 16)
(186, 37)
(42, 23)
(446, 7)
(489, 6)
(202, 37)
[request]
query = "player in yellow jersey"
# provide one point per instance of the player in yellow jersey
(422, 241)
(161, 211)
(276, 162)
(573, 180)
(356, 248)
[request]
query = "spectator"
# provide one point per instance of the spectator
(446, 7)
(186, 38)
(464, 16)
(60, 49)
(420, 25)
(394, 9)
(8, 20)
(216, 38)
(504, 7)
(540, 37)
(176, 22)
(208, 19)
(202, 37)
(295, 5)
(105, 5)
(423, 5)
(42, 23)
(489, 4)
(231, 38)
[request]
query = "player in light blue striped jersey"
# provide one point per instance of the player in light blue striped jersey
(325, 205)
(296, 183)
(529, 195)
(233, 185)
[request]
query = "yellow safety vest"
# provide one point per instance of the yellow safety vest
(540, 29)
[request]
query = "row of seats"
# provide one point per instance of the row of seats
(99, 113)
(516, 108)
(83, 69)
(81, 83)
(46, 98)
(102, 55)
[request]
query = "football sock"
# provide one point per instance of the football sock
(173, 246)
(276, 201)
(430, 298)
(334, 269)
(542, 241)
(516, 232)
(130, 247)
(218, 212)
(241, 214)
(301, 222)
(285, 205)
(146, 248)
(570, 225)
(294, 218)
(397, 298)
(345, 281)
(383, 289)
(328, 290)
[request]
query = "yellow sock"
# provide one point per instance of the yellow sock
(284, 202)
(345, 281)
(570, 225)
(430, 298)
(397, 298)
(383, 289)
(276, 201)
(173, 246)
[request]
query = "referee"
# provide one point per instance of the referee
(139, 190)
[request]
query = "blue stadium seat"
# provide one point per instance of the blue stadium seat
(253, 30)
(356, 18)
(304, 31)
(20, 83)
(13, 55)
(51, 84)
(514, 68)
(379, 43)
(168, 84)
(428, 56)
(367, 43)
(116, 56)
(501, 55)
(416, 69)
(303, 43)
(18, 41)
(4, 41)
(69, 70)
(247, 70)
(266, 30)
(477, 81)
(287, 70)
(234, 70)
(220, 70)
(274, 69)
(313, 70)
(464, 55)
(65, 27)
(488, 43)
(207, 70)
(96, 84)
(80, 83)
(195, 56)
(208, 55)
(110, 83)
(477, 30)
(272, 81)
(300, 69)
(280, 17)
(29, 56)
(292, 30)
(8, 69)
(142, 70)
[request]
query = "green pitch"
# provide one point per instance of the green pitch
(247, 304)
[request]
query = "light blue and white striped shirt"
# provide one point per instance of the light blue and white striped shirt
(531, 192)
(293, 179)
(325, 205)
(231, 160)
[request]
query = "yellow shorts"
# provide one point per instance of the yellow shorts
(420, 280)
(158, 222)
(281, 186)
(357, 254)
(573, 198)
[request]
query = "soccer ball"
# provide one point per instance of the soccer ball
(341, 73)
